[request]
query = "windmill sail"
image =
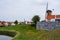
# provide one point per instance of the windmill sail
(46, 10)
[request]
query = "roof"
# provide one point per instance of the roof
(49, 17)
(48, 11)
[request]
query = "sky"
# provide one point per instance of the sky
(11, 10)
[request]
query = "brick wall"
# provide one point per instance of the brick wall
(47, 25)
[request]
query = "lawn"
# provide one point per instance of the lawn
(25, 32)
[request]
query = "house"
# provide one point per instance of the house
(26, 22)
(3, 23)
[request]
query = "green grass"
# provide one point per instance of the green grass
(25, 32)
(52, 35)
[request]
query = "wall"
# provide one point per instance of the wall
(47, 25)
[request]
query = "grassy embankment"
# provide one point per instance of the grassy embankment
(24, 32)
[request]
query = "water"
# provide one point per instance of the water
(3, 37)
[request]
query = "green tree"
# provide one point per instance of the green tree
(16, 22)
(35, 19)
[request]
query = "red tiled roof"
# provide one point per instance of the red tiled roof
(49, 17)
(57, 16)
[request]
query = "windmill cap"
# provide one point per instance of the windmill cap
(48, 11)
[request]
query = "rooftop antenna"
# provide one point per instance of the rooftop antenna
(46, 10)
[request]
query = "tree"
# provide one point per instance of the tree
(16, 22)
(35, 19)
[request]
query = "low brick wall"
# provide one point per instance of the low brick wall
(47, 25)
